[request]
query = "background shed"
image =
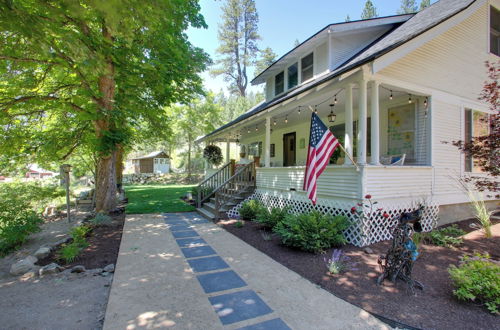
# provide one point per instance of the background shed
(155, 162)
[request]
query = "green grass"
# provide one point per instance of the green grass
(157, 198)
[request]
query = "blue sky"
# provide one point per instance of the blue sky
(283, 21)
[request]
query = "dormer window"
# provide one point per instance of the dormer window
(494, 31)
(279, 83)
(307, 67)
(293, 75)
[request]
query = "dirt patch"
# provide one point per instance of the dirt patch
(433, 308)
(104, 245)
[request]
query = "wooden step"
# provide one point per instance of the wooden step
(209, 207)
(206, 214)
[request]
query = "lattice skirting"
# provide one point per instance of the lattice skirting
(360, 233)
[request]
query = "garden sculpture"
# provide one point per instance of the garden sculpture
(398, 263)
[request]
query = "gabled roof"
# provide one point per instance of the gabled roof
(153, 154)
(419, 23)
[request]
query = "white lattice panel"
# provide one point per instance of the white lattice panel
(360, 233)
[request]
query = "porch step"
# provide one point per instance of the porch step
(210, 207)
(206, 214)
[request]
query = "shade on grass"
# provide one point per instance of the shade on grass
(157, 198)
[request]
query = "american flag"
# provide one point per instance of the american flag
(322, 144)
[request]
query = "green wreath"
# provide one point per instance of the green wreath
(213, 155)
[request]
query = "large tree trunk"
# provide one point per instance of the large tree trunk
(105, 187)
(119, 168)
(189, 157)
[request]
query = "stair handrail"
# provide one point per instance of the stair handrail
(211, 181)
(248, 169)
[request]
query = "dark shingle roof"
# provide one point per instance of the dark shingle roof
(416, 25)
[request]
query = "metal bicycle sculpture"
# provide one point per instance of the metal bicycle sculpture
(398, 263)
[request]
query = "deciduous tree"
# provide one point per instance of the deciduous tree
(369, 11)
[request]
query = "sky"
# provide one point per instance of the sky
(281, 22)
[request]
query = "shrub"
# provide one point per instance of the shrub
(17, 222)
(37, 194)
(100, 219)
(249, 209)
(271, 218)
(449, 236)
(70, 251)
(313, 231)
(477, 279)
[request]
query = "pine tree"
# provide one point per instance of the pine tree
(424, 4)
(348, 18)
(408, 7)
(238, 43)
(267, 57)
(296, 43)
(369, 11)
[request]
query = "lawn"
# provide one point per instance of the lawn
(157, 198)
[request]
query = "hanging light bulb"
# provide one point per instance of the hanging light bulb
(335, 101)
(425, 103)
(332, 116)
(409, 98)
(256, 128)
(390, 97)
(300, 107)
(316, 109)
(286, 119)
(274, 122)
(248, 131)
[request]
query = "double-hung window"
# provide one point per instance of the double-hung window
(307, 64)
(494, 31)
(279, 83)
(293, 75)
(476, 124)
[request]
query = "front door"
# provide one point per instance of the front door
(289, 148)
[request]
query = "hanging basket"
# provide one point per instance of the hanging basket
(213, 155)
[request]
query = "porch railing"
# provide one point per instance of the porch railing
(207, 187)
(242, 181)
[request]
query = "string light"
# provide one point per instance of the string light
(390, 97)
(335, 101)
(425, 103)
(286, 119)
(274, 122)
(256, 128)
(409, 98)
(316, 109)
(300, 107)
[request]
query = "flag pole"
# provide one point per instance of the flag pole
(349, 155)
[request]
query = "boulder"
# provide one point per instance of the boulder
(52, 268)
(42, 252)
(368, 250)
(109, 268)
(78, 269)
(23, 266)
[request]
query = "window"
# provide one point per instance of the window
(307, 64)
(293, 75)
(273, 150)
(401, 131)
(476, 124)
(279, 83)
(494, 31)
(255, 149)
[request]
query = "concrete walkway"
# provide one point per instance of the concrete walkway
(179, 271)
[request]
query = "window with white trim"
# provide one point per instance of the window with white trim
(494, 31)
(279, 83)
(476, 124)
(307, 67)
(293, 75)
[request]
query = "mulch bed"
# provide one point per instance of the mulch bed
(104, 245)
(433, 308)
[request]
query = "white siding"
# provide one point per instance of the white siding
(452, 62)
(270, 89)
(405, 182)
(321, 59)
(335, 182)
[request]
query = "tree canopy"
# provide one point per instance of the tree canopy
(408, 7)
(369, 11)
(75, 74)
(267, 57)
(238, 43)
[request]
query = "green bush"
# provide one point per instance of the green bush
(100, 219)
(313, 231)
(17, 222)
(37, 194)
(69, 252)
(449, 236)
(249, 209)
(271, 218)
(477, 279)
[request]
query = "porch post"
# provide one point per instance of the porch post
(228, 150)
(361, 152)
(348, 123)
(375, 134)
(267, 160)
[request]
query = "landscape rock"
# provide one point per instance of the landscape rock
(104, 274)
(42, 252)
(78, 269)
(23, 266)
(95, 271)
(52, 268)
(109, 268)
(30, 275)
(62, 241)
(368, 250)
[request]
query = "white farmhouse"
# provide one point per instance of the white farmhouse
(392, 89)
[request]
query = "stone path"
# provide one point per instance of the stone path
(180, 271)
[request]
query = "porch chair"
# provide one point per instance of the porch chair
(394, 160)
